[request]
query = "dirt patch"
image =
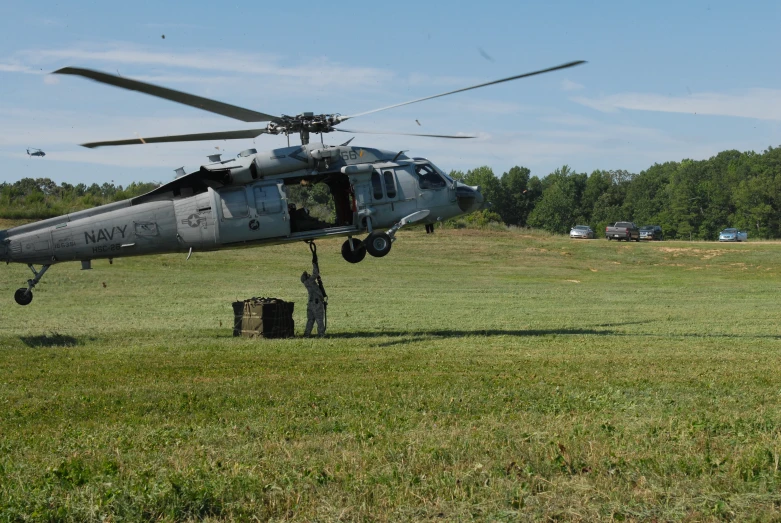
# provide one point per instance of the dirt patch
(703, 254)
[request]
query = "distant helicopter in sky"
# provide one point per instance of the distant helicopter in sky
(35, 152)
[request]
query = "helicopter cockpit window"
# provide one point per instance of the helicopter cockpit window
(267, 200)
(390, 184)
(428, 178)
(234, 204)
(376, 186)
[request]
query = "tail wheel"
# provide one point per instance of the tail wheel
(378, 244)
(22, 296)
(353, 250)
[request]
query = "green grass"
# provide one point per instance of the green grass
(468, 375)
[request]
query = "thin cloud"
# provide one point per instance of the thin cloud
(172, 25)
(316, 72)
(46, 22)
(444, 81)
(569, 85)
(761, 104)
(16, 68)
(185, 79)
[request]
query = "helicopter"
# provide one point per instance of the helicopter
(243, 201)
(35, 152)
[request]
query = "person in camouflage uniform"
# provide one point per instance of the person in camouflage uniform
(315, 309)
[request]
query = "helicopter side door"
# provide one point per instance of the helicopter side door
(270, 214)
(391, 200)
(362, 189)
(194, 221)
(252, 213)
(433, 188)
(233, 214)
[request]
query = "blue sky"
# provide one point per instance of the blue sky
(665, 80)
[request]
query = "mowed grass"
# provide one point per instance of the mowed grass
(467, 375)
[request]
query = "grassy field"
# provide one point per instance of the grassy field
(468, 375)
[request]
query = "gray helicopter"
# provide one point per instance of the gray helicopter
(35, 152)
(243, 201)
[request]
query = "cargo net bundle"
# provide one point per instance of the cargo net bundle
(263, 318)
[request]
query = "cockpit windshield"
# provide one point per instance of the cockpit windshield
(428, 177)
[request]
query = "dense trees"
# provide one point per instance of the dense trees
(43, 198)
(689, 199)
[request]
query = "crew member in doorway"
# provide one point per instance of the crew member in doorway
(316, 307)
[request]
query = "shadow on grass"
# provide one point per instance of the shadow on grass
(413, 336)
(618, 324)
(50, 340)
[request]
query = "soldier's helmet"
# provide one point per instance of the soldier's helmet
(304, 276)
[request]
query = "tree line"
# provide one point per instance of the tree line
(688, 199)
(38, 198)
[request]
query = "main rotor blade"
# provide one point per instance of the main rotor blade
(223, 135)
(405, 134)
(231, 111)
(541, 71)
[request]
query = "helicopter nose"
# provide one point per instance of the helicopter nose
(469, 198)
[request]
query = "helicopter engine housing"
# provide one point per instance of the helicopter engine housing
(285, 160)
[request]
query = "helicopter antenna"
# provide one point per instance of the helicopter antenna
(397, 155)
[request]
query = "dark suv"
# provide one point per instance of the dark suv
(651, 232)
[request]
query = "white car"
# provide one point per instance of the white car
(582, 231)
(733, 235)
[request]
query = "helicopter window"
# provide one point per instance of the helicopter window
(428, 178)
(376, 186)
(390, 184)
(267, 200)
(234, 204)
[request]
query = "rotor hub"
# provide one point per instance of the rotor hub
(304, 122)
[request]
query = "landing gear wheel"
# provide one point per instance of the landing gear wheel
(378, 244)
(355, 254)
(23, 297)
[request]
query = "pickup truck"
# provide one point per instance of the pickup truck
(623, 231)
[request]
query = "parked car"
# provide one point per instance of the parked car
(582, 231)
(733, 235)
(623, 231)
(651, 232)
